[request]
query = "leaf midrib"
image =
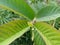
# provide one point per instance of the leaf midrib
(9, 40)
(44, 38)
(16, 12)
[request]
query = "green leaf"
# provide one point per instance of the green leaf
(48, 13)
(18, 6)
(12, 30)
(38, 40)
(47, 34)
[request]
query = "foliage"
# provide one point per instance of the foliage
(6, 16)
(23, 40)
(33, 23)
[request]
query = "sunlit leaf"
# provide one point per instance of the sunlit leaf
(12, 30)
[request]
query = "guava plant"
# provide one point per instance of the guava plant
(42, 33)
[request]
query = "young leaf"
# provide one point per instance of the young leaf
(12, 30)
(46, 34)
